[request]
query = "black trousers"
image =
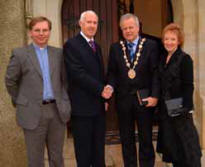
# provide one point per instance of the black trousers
(128, 114)
(89, 140)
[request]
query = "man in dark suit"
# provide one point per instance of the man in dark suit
(84, 65)
(132, 73)
(35, 80)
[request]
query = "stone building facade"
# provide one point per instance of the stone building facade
(13, 17)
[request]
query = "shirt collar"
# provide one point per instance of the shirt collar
(39, 48)
(135, 41)
(86, 38)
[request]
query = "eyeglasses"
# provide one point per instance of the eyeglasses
(43, 31)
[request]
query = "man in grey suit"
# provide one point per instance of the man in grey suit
(35, 81)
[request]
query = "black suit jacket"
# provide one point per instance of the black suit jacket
(146, 70)
(85, 76)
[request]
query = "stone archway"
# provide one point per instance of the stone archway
(189, 13)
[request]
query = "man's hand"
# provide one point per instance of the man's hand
(152, 101)
(107, 92)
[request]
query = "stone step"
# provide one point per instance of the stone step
(113, 156)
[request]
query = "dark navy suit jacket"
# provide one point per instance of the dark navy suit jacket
(85, 75)
(146, 71)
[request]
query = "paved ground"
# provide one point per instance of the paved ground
(113, 156)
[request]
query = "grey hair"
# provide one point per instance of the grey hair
(128, 16)
(82, 16)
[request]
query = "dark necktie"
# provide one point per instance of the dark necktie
(92, 45)
(131, 50)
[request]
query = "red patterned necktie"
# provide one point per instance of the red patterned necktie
(92, 45)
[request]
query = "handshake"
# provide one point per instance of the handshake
(107, 92)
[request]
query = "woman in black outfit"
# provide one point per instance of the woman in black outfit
(177, 139)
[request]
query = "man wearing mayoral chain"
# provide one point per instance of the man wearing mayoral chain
(132, 72)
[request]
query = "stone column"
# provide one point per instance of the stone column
(52, 10)
(193, 23)
(12, 34)
(201, 65)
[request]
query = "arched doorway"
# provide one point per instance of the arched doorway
(108, 31)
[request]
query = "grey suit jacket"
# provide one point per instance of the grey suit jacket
(24, 83)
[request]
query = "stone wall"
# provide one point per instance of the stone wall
(201, 65)
(12, 34)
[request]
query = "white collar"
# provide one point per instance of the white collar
(86, 38)
(135, 41)
(37, 46)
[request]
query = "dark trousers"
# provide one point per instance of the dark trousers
(128, 115)
(89, 140)
(50, 133)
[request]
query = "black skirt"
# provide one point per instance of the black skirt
(178, 140)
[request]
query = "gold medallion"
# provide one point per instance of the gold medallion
(131, 65)
(131, 74)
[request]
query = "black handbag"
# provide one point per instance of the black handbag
(175, 107)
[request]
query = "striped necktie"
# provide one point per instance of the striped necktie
(92, 45)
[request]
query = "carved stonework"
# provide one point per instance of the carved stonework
(28, 9)
(122, 9)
